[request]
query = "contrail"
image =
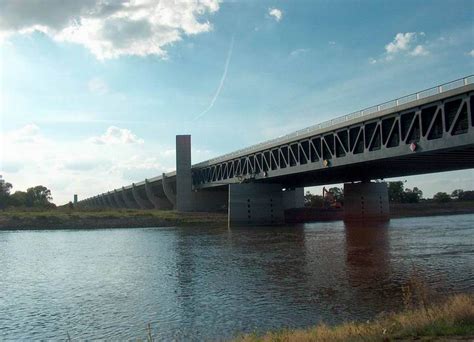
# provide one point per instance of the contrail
(221, 84)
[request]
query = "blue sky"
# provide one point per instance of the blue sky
(94, 92)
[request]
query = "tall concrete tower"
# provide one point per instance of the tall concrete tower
(184, 199)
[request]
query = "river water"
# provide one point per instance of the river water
(214, 283)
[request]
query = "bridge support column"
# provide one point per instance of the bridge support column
(159, 202)
(142, 202)
(119, 199)
(130, 203)
(168, 190)
(252, 204)
(210, 200)
(366, 201)
(293, 198)
(184, 197)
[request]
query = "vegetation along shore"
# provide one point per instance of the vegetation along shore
(450, 320)
(34, 209)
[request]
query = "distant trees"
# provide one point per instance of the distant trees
(5, 189)
(38, 196)
(311, 200)
(441, 197)
(397, 193)
(462, 195)
(338, 193)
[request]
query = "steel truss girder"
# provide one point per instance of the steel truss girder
(440, 124)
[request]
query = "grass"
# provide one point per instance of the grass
(454, 317)
(91, 218)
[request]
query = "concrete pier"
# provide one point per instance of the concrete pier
(366, 201)
(143, 203)
(168, 190)
(111, 200)
(252, 204)
(119, 199)
(128, 199)
(158, 199)
(293, 198)
(184, 200)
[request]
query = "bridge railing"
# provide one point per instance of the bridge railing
(360, 113)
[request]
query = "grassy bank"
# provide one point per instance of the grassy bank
(450, 320)
(113, 218)
(64, 218)
(431, 208)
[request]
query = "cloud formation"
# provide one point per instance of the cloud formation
(471, 53)
(276, 13)
(404, 44)
(419, 50)
(401, 42)
(30, 157)
(27, 134)
(115, 135)
(109, 29)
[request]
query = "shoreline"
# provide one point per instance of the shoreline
(134, 218)
(448, 320)
(107, 219)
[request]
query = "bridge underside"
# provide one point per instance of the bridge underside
(408, 165)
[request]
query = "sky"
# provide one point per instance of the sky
(93, 92)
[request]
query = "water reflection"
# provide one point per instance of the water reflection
(214, 283)
(367, 253)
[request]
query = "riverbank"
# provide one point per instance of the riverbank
(452, 320)
(96, 219)
(397, 210)
(63, 218)
(428, 208)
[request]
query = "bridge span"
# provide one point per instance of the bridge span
(429, 131)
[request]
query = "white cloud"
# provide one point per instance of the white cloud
(26, 134)
(332, 42)
(298, 52)
(109, 29)
(275, 13)
(98, 86)
(372, 61)
(29, 157)
(115, 135)
(471, 53)
(401, 42)
(419, 50)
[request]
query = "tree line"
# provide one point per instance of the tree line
(35, 197)
(397, 193)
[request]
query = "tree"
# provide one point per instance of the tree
(338, 193)
(441, 197)
(457, 194)
(467, 195)
(395, 191)
(412, 196)
(5, 189)
(18, 199)
(38, 196)
(314, 201)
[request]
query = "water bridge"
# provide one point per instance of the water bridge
(428, 131)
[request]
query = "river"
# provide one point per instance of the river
(214, 283)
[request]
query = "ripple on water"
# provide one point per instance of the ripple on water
(195, 284)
